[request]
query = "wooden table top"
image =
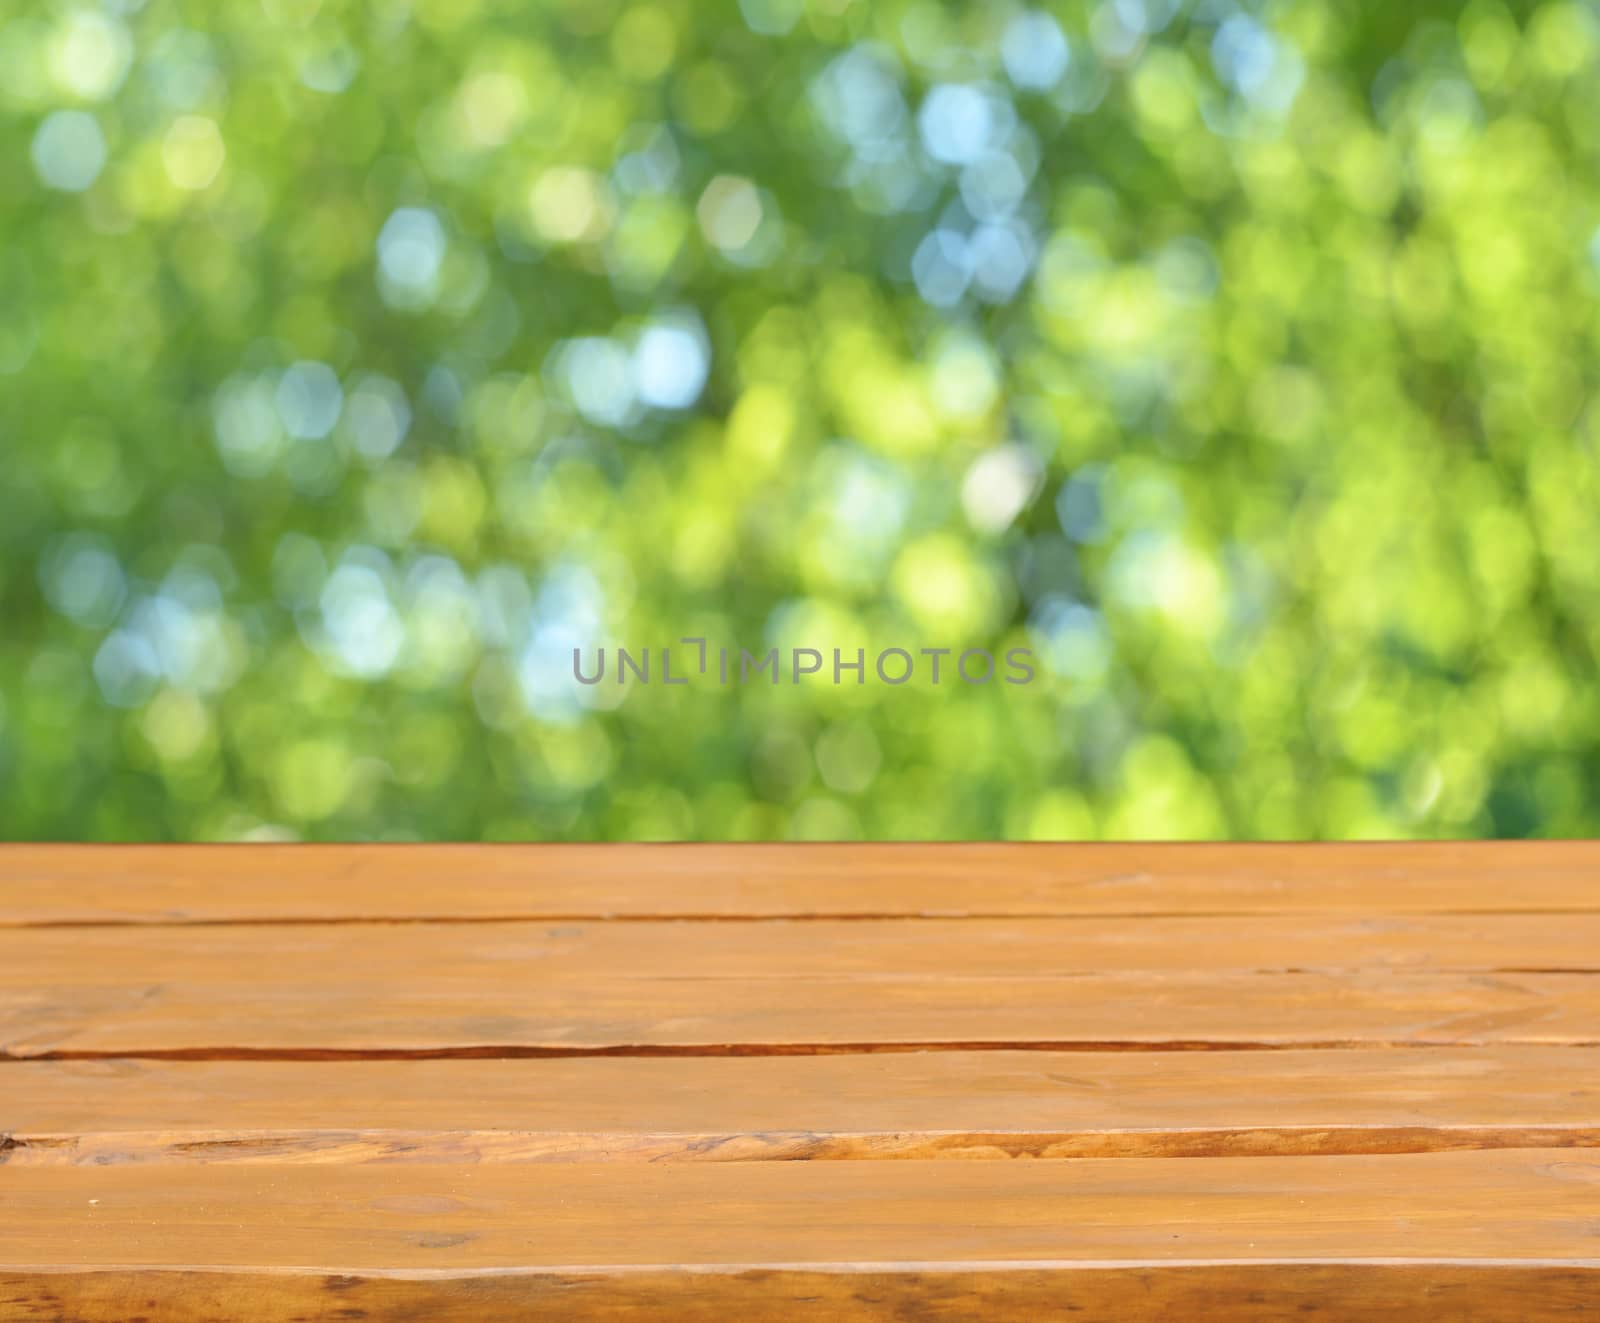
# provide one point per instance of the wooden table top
(826, 1082)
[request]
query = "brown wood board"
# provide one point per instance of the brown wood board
(764, 1082)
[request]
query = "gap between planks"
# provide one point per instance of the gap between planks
(738, 1051)
(690, 918)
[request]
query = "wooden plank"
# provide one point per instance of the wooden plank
(1512, 1234)
(1371, 1292)
(211, 883)
(721, 987)
(888, 948)
(512, 1010)
(913, 1105)
(219, 1097)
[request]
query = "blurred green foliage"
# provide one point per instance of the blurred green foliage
(358, 360)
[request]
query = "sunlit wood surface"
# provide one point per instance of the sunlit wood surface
(827, 1082)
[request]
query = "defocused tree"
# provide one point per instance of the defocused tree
(360, 360)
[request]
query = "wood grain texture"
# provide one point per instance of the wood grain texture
(1373, 1292)
(220, 883)
(588, 951)
(664, 1082)
(505, 989)
(871, 1239)
(1528, 1205)
(508, 1017)
(912, 1105)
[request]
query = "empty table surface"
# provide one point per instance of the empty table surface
(830, 1082)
